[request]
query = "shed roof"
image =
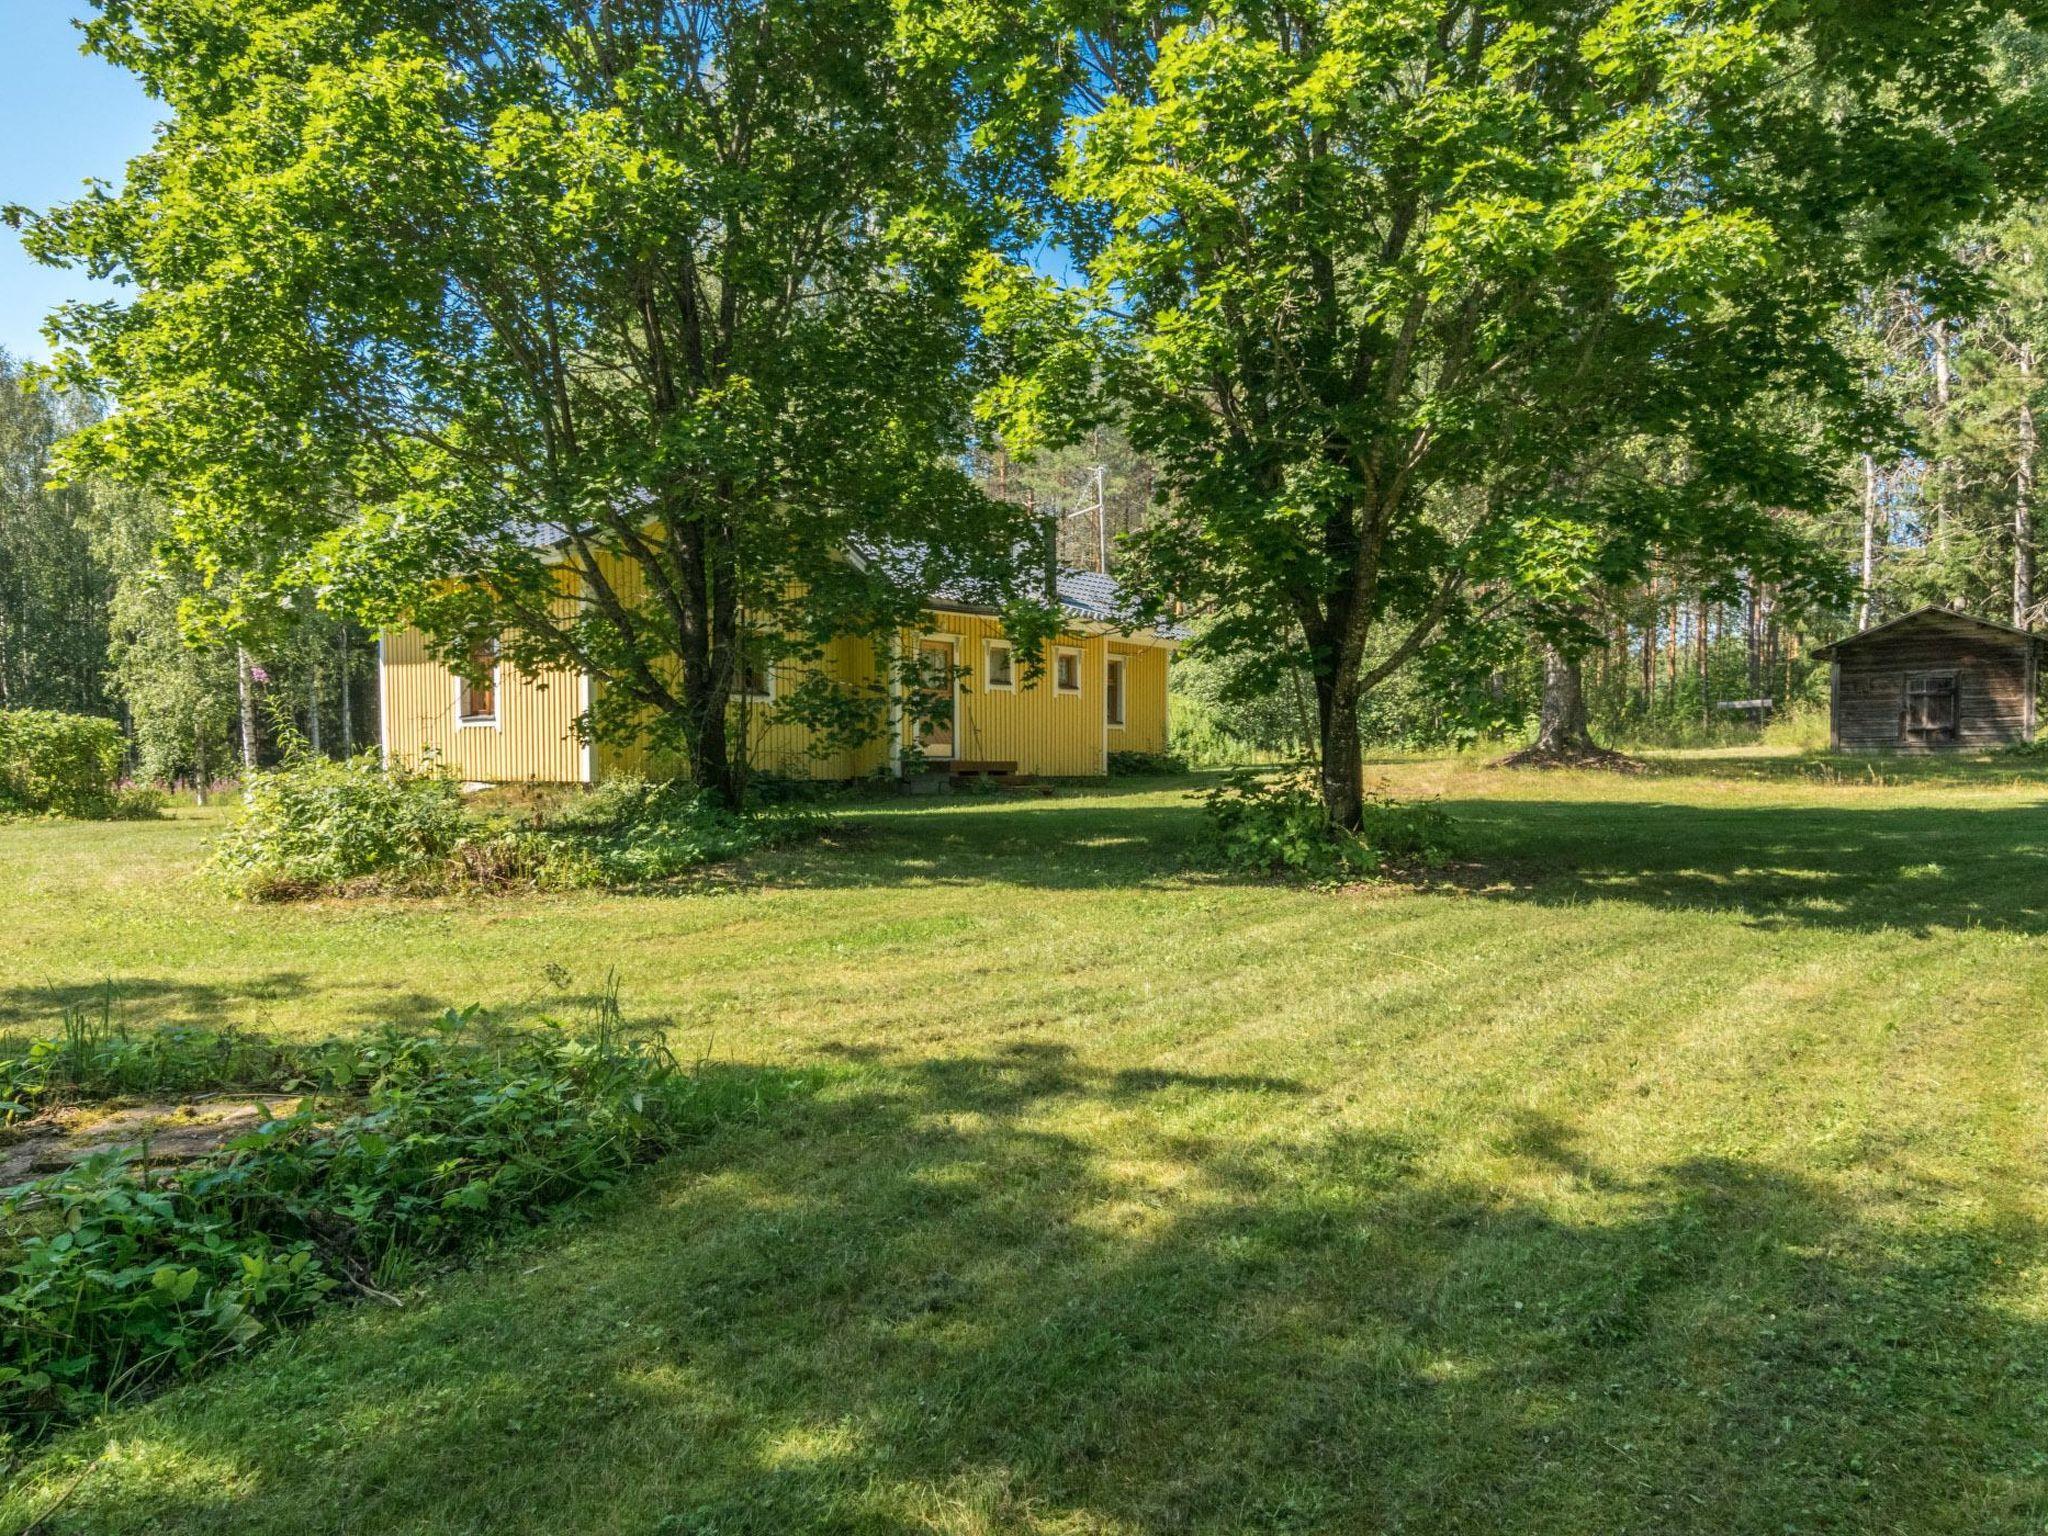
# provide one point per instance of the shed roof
(1934, 619)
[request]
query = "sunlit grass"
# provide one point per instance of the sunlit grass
(1675, 1162)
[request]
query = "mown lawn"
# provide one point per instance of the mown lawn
(1679, 1167)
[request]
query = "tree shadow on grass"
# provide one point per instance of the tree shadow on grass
(928, 1301)
(1913, 868)
(149, 1002)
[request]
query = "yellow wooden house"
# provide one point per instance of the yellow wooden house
(1101, 690)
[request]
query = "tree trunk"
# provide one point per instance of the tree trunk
(1869, 540)
(1702, 642)
(245, 690)
(348, 714)
(1756, 638)
(2023, 498)
(313, 708)
(1940, 465)
(1342, 752)
(711, 765)
(1562, 727)
(1650, 659)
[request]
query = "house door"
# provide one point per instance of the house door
(938, 702)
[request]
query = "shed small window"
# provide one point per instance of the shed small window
(1000, 666)
(1930, 706)
(476, 689)
(1066, 670)
(1113, 691)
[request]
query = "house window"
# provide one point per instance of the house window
(1113, 691)
(1930, 713)
(757, 676)
(1066, 670)
(476, 687)
(999, 667)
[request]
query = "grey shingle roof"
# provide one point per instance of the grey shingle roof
(1088, 595)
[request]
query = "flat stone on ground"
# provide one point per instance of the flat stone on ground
(173, 1132)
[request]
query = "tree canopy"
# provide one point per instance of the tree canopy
(601, 332)
(1402, 296)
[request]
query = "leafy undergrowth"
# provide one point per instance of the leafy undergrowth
(1276, 826)
(409, 1148)
(318, 827)
(93, 1058)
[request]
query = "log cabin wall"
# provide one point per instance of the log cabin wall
(1878, 680)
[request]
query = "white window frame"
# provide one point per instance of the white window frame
(741, 691)
(988, 671)
(1121, 693)
(495, 720)
(1059, 654)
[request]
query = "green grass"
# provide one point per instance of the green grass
(1676, 1166)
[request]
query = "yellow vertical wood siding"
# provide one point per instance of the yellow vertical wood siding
(1033, 724)
(534, 737)
(1144, 727)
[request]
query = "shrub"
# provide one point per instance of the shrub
(628, 831)
(1277, 826)
(314, 824)
(1142, 764)
(1199, 735)
(118, 1278)
(138, 802)
(57, 764)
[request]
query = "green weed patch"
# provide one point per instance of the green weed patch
(407, 1148)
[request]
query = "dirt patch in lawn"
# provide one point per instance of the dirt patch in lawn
(174, 1131)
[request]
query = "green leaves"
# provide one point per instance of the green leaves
(437, 303)
(115, 1280)
(1393, 293)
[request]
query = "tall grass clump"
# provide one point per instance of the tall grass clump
(1199, 735)
(92, 1057)
(629, 831)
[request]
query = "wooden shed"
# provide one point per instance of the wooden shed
(1935, 680)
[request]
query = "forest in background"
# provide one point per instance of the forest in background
(1687, 655)
(92, 620)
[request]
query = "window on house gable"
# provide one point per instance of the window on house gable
(1000, 666)
(476, 689)
(1066, 670)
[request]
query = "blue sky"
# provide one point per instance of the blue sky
(63, 118)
